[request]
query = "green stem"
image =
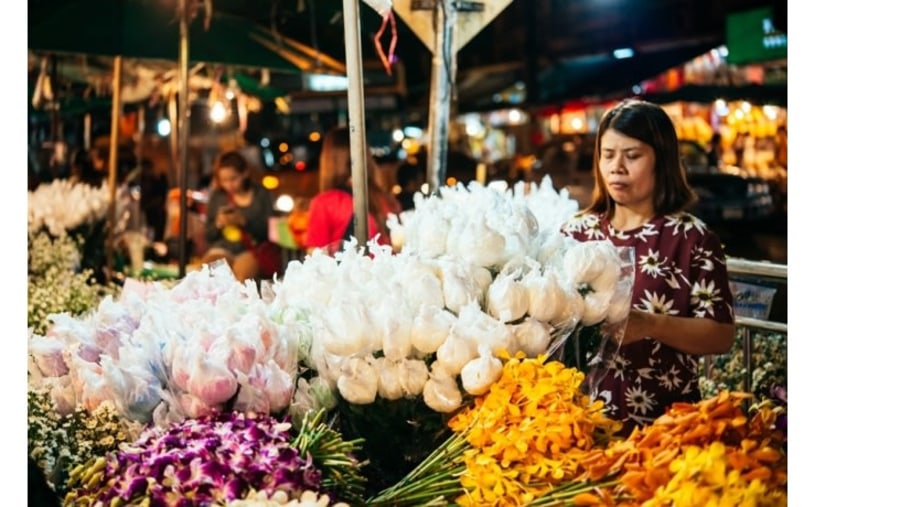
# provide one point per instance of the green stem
(568, 491)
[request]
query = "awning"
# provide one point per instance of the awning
(599, 75)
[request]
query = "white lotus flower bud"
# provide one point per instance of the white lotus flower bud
(585, 261)
(483, 279)
(546, 299)
(459, 287)
(441, 393)
(358, 383)
(347, 328)
(429, 236)
(531, 336)
(395, 327)
(507, 299)
(421, 284)
(478, 327)
(480, 245)
(596, 307)
(606, 280)
(480, 373)
(413, 375)
(430, 328)
(455, 352)
(389, 379)
(620, 305)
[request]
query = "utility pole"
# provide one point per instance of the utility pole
(444, 26)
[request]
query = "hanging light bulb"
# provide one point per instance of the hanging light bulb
(218, 112)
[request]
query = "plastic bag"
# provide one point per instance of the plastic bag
(591, 348)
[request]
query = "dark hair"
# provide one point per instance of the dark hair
(335, 172)
(649, 123)
(233, 159)
(236, 161)
(334, 160)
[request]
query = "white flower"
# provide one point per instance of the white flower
(441, 392)
(358, 382)
(531, 336)
(585, 261)
(478, 374)
(596, 307)
(638, 400)
(507, 298)
(430, 328)
(547, 301)
(389, 379)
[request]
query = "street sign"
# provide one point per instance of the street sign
(471, 18)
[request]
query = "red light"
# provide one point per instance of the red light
(300, 165)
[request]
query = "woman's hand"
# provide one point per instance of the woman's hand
(229, 216)
(640, 325)
(692, 335)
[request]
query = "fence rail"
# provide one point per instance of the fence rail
(758, 269)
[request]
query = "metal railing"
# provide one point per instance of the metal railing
(761, 270)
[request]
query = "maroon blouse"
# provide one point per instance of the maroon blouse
(679, 270)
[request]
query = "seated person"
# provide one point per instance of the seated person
(237, 221)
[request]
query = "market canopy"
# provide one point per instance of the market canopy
(149, 29)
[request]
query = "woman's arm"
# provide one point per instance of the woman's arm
(708, 326)
(212, 230)
(692, 335)
(256, 218)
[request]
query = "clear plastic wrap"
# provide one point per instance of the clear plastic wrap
(590, 348)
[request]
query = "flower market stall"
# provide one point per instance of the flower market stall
(433, 375)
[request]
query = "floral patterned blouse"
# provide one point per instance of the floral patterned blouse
(679, 270)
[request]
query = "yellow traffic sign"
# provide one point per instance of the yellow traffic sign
(420, 18)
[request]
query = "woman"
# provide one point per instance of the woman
(237, 221)
(681, 303)
(331, 210)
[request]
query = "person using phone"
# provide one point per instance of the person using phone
(237, 220)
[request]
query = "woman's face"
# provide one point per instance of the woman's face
(627, 166)
(231, 180)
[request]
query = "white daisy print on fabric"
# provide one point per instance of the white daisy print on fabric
(657, 303)
(651, 265)
(613, 233)
(689, 388)
(644, 373)
(691, 362)
(670, 379)
(581, 223)
(639, 400)
(702, 258)
(648, 230)
(686, 221)
(617, 366)
(608, 408)
(703, 297)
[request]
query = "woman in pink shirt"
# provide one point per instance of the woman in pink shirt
(331, 210)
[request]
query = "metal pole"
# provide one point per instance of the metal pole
(184, 112)
(357, 124)
(443, 72)
(113, 159)
(87, 131)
